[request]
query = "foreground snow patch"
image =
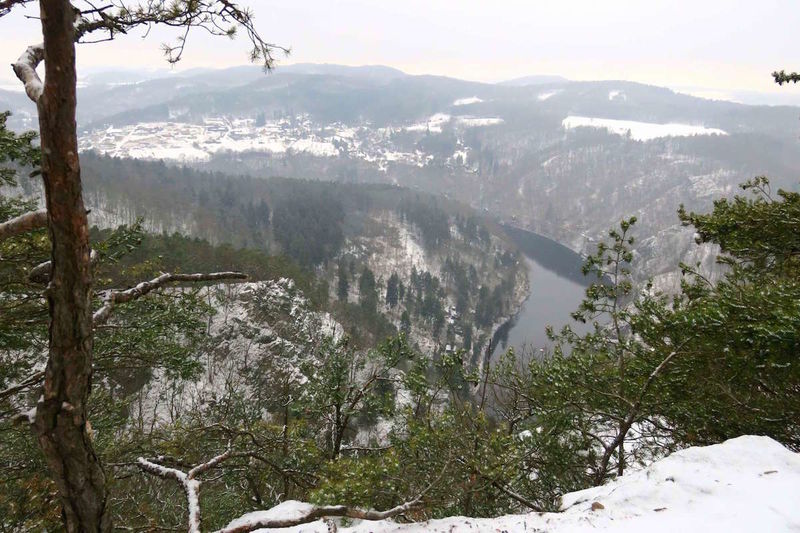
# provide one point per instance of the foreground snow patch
(641, 131)
(747, 484)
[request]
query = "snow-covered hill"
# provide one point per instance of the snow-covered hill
(746, 484)
(266, 321)
(564, 159)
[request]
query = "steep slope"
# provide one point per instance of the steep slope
(260, 333)
(455, 277)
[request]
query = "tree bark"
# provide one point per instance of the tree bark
(60, 422)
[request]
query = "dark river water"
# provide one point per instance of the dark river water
(557, 288)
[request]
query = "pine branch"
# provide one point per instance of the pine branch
(317, 512)
(23, 224)
(25, 69)
(30, 381)
(216, 17)
(627, 422)
(115, 297)
(41, 272)
(6, 5)
(782, 77)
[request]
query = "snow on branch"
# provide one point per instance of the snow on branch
(286, 514)
(23, 224)
(190, 486)
(115, 297)
(30, 381)
(189, 481)
(25, 69)
(41, 272)
(6, 5)
(292, 513)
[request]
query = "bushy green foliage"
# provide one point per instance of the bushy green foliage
(741, 373)
(17, 149)
(160, 334)
(655, 372)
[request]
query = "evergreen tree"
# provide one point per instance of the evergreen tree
(392, 290)
(343, 284)
(61, 417)
(405, 323)
(367, 290)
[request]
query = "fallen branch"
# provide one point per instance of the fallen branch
(312, 513)
(115, 297)
(23, 224)
(25, 69)
(299, 512)
(306, 513)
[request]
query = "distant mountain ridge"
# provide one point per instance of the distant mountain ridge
(535, 79)
(565, 159)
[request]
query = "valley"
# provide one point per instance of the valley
(557, 287)
(314, 297)
(535, 155)
(532, 154)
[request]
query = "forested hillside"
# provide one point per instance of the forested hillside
(534, 155)
(260, 369)
(385, 258)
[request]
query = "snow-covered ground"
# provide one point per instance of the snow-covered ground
(186, 142)
(433, 124)
(617, 95)
(547, 95)
(253, 321)
(641, 131)
(467, 101)
(748, 484)
(472, 122)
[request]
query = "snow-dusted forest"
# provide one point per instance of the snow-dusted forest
(280, 297)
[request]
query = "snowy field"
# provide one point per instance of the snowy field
(198, 142)
(547, 95)
(467, 101)
(640, 131)
(748, 484)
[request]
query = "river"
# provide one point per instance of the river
(557, 287)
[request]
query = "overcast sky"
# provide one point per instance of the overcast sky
(715, 44)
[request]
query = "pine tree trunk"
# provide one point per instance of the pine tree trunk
(61, 414)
